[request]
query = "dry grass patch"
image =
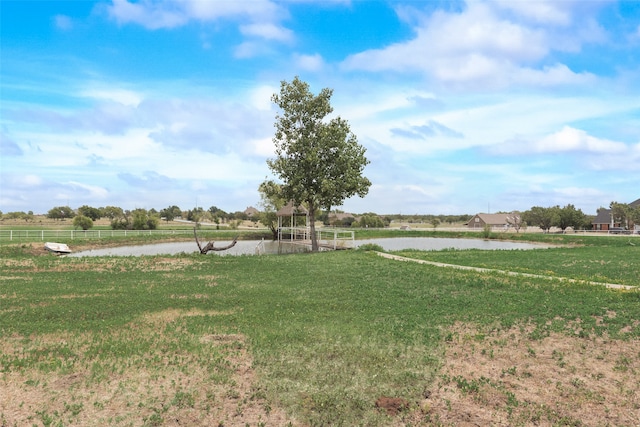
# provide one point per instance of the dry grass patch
(13, 263)
(504, 378)
(152, 373)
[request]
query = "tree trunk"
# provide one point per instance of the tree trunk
(274, 232)
(211, 245)
(312, 227)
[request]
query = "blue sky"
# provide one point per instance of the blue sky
(463, 107)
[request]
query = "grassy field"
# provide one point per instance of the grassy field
(337, 338)
(600, 259)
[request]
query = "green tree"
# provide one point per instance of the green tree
(218, 214)
(143, 220)
(620, 212)
(120, 220)
(634, 216)
(14, 215)
(60, 212)
(320, 162)
(540, 217)
(195, 215)
(271, 201)
(89, 212)
(569, 216)
(83, 222)
(112, 212)
(170, 213)
(515, 220)
(369, 220)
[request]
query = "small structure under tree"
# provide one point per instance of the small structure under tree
(291, 212)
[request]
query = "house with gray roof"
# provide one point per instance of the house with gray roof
(604, 220)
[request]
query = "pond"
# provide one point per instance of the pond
(250, 247)
(438, 244)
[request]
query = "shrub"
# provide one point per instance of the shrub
(83, 222)
(486, 232)
(371, 247)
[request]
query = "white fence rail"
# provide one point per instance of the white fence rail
(45, 235)
(339, 237)
(333, 238)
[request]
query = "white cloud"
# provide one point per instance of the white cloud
(263, 148)
(31, 180)
(92, 191)
(211, 10)
(626, 161)
(151, 15)
(556, 75)
(484, 48)
(474, 38)
(63, 22)
(258, 18)
(479, 30)
(8, 147)
(575, 140)
(541, 11)
(121, 96)
(267, 31)
(309, 62)
(497, 125)
(260, 97)
(249, 49)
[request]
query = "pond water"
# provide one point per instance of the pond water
(249, 247)
(438, 244)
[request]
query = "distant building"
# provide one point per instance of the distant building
(492, 220)
(251, 212)
(604, 220)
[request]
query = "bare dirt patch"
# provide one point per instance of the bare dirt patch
(504, 378)
(76, 382)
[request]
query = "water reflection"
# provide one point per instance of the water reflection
(252, 247)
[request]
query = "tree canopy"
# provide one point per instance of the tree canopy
(319, 161)
(60, 212)
(555, 216)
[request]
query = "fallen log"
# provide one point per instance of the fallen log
(211, 245)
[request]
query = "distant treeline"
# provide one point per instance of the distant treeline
(419, 219)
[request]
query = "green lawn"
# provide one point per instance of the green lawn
(328, 332)
(612, 260)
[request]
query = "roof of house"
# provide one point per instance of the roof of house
(289, 210)
(603, 217)
(492, 219)
(251, 211)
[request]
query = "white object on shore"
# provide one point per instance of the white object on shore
(58, 248)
